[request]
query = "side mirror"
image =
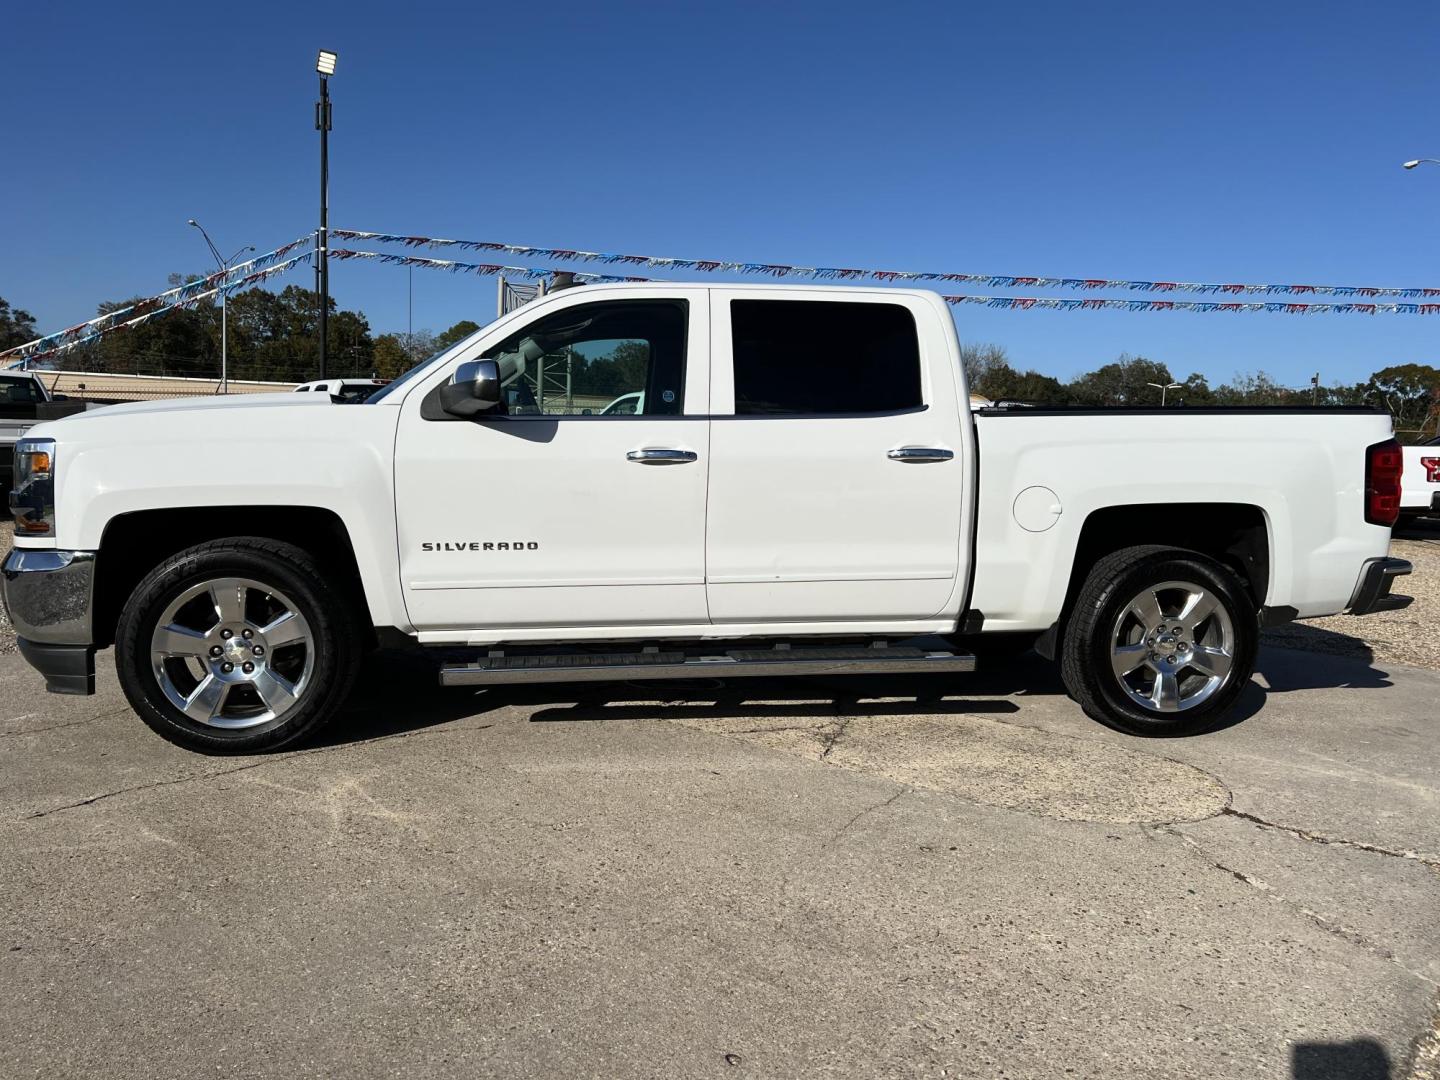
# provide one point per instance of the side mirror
(475, 389)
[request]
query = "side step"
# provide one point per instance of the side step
(730, 664)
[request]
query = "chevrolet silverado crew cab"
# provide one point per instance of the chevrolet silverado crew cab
(801, 487)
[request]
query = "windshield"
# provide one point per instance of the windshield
(19, 390)
(418, 369)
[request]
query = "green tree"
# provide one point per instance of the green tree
(1408, 391)
(390, 358)
(17, 327)
(459, 332)
(420, 344)
(984, 362)
(619, 371)
(1195, 391)
(1258, 388)
(182, 342)
(1125, 382)
(988, 372)
(272, 336)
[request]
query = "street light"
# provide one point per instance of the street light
(325, 65)
(224, 290)
(1421, 161)
(1163, 389)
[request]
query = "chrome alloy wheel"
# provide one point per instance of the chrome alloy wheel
(1172, 647)
(232, 653)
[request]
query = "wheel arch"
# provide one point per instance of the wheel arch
(135, 543)
(1236, 535)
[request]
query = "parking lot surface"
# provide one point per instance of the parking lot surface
(845, 877)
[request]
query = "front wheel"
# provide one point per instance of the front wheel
(1160, 642)
(237, 646)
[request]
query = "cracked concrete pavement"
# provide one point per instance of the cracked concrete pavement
(844, 877)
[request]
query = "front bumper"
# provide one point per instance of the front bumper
(50, 597)
(1372, 592)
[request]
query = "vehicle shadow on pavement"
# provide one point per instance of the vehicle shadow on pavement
(669, 702)
(1423, 529)
(1304, 657)
(1358, 1059)
(982, 691)
(399, 692)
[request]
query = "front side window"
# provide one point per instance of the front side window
(611, 358)
(819, 358)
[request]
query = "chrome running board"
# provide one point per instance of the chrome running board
(730, 664)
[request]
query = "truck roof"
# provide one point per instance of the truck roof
(747, 286)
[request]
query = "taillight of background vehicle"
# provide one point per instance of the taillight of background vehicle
(1384, 463)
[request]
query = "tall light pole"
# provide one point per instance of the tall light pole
(1420, 161)
(325, 65)
(1163, 389)
(224, 291)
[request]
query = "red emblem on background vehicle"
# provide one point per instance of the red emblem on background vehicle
(1432, 469)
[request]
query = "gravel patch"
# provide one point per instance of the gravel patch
(7, 634)
(1406, 636)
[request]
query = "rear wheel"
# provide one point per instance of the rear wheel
(1161, 642)
(237, 646)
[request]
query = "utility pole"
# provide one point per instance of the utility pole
(1315, 389)
(325, 65)
(224, 291)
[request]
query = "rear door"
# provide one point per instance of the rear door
(837, 459)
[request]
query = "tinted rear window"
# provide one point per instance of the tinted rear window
(817, 357)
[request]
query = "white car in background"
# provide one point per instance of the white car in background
(1420, 482)
(343, 391)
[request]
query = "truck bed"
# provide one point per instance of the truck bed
(1044, 473)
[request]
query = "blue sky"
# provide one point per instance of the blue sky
(1219, 142)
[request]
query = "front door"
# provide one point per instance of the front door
(570, 510)
(837, 463)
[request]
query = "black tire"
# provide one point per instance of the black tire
(1086, 650)
(334, 633)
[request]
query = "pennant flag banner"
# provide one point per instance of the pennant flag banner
(1286, 307)
(173, 300)
(529, 273)
(176, 297)
(1089, 303)
(833, 273)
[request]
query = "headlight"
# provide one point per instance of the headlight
(33, 500)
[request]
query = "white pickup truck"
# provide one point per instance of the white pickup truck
(21, 395)
(1420, 483)
(804, 489)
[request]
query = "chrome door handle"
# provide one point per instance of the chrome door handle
(662, 457)
(920, 453)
